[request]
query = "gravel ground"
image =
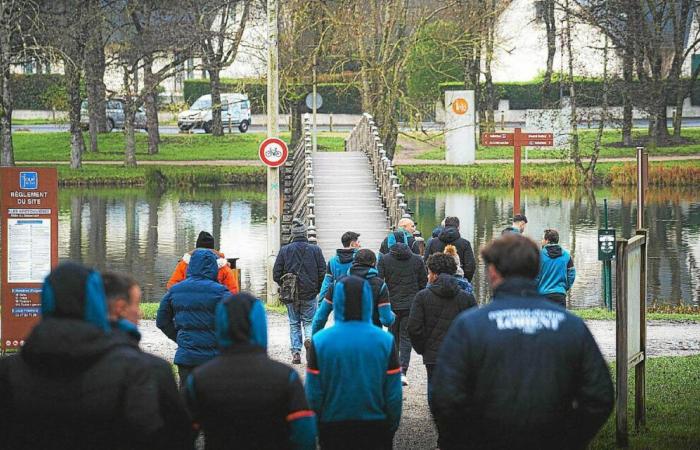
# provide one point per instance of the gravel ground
(417, 430)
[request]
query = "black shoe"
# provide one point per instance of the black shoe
(296, 358)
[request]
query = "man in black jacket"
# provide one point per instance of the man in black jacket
(434, 309)
(405, 275)
(242, 398)
(450, 235)
(306, 262)
(407, 230)
(73, 385)
(123, 299)
(520, 372)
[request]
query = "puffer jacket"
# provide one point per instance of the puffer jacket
(451, 236)
(225, 275)
(390, 240)
(521, 372)
(433, 311)
(186, 312)
(306, 261)
(557, 272)
(405, 275)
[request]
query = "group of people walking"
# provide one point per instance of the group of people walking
(519, 372)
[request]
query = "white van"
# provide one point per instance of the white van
(235, 107)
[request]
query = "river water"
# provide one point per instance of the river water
(145, 233)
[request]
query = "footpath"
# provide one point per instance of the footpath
(664, 338)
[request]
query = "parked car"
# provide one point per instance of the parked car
(234, 107)
(115, 115)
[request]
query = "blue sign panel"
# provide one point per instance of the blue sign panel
(28, 180)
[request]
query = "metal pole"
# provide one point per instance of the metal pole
(607, 266)
(273, 176)
(516, 171)
(314, 139)
(640, 188)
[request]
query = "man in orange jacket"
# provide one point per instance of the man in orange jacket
(225, 275)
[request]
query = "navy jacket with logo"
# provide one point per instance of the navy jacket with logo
(521, 372)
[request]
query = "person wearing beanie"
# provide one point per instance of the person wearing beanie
(225, 275)
(186, 313)
(303, 262)
(244, 397)
(464, 284)
(72, 384)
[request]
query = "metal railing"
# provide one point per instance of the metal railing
(299, 187)
(365, 137)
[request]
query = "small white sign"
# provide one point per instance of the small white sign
(460, 127)
(29, 250)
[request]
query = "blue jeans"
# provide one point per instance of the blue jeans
(303, 313)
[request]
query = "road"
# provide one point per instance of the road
(416, 430)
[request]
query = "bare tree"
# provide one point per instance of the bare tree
(550, 23)
(19, 22)
(219, 25)
(94, 64)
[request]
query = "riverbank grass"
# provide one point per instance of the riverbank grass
(31, 146)
(610, 146)
(149, 310)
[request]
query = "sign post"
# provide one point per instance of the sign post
(29, 233)
(517, 140)
(460, 126)
(274, 200)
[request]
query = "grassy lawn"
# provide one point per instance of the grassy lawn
(608, 150)
(673, 409)
(604, 314)
(179, 147)
(149, 310)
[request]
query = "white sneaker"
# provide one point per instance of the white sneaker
(404, 380)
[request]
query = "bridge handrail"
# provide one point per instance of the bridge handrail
(299, 187)
(365, 137)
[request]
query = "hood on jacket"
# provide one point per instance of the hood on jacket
(362, 270)
(511, 229)
(203, 264)
(553, 250)
(401, 251)
(397, 236)
(352, 300)
(445, 286)
(437, 231)
(72, 291)
(221, 258)
(449, 235)
(128, 328)
(345, 255)
(240, 321)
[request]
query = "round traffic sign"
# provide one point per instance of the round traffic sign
(273, 152)
(310, 101)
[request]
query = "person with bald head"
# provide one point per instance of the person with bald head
(407, 228)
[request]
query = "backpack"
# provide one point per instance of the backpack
(289, 289)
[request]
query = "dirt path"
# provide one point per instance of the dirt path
(417, 431)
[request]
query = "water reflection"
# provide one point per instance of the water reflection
(672, 216)
(145, 233)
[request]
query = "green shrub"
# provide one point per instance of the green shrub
(38, 91)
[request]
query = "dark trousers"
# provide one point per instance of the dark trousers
(559, 299)
(401, 339)
(357, 434)
(430, 369)
(183, 372)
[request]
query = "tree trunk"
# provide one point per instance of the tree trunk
(7, 157)
(151, 106)
(77, 144)
(661, 122)
(627, 73)
(490, 91)
(551, 27)
(297, 131)
(94, 82)
(678, 119)
(217, 128)
(129, 119)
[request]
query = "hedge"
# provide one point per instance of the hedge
(589, 93)
(32, 91)
(339, 98)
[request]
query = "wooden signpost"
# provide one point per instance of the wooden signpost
(517, 140)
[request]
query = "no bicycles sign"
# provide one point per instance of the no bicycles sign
(273, 152)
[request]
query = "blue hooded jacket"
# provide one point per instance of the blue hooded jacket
(186, 312)
(353, 372)
(557, 272)
(243, 396)
(337, 267)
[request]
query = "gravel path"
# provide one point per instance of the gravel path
(664, 338)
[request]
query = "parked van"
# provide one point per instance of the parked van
(235, 107)
(115, 108)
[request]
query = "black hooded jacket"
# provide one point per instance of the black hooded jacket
(74, 386)
(404, 274)
(433, 311)
(451, 236)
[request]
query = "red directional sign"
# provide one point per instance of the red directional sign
(497, 139)
(273, 152)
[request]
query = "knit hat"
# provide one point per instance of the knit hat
(298, 229)
(452, 251)
(205, 240)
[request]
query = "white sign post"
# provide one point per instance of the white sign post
(460, 124)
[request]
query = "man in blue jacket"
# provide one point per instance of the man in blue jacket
(304, 260)
(519, 372)
(353, 379)
(186, 313)
(242, 398)
(557, 272)
(339, 264)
